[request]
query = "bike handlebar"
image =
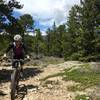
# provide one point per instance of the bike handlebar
(18, 59)
(25, 59)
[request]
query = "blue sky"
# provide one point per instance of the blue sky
(45, 12)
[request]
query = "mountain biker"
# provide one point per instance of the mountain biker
(19, 49)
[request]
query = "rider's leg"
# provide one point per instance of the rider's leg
(21, 73)
(13, 64)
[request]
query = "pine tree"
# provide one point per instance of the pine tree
(73, 32)
(88, 25)
(48, 41)
(39, 42)
(62, 39)
(6, 15)
(55, 44)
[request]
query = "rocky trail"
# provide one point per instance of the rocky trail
(34, 88)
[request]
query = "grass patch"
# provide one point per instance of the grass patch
(86, 78)
(82, 75)
(75, 88)
(50, 76)
(86, 65)
(82, 97)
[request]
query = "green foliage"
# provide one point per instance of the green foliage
(15, 28)
(27, 21)
(6, 15)
(3, 43)
(10, 24)
(54, 40)
(55, 44)
(38, 42)
(29, 41)
(82, 97)
(83, 31)
(6, 11)
(77, 39)
(75, 56)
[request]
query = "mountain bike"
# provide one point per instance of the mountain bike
(15, 77)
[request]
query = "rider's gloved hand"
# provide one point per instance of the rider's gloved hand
(28, 57)
(4, 56)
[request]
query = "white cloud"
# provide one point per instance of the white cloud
(48, 11)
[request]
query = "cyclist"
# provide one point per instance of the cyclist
(19, 49)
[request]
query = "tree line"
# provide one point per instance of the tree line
(77, 39)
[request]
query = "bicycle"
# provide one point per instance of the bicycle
(15, 77)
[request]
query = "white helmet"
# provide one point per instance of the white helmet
(17, 38)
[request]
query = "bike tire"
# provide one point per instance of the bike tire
(13, 84)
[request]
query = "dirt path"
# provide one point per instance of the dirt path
(32, 88)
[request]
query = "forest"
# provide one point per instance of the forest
(77, 39)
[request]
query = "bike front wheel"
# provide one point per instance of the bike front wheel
(14, 84)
